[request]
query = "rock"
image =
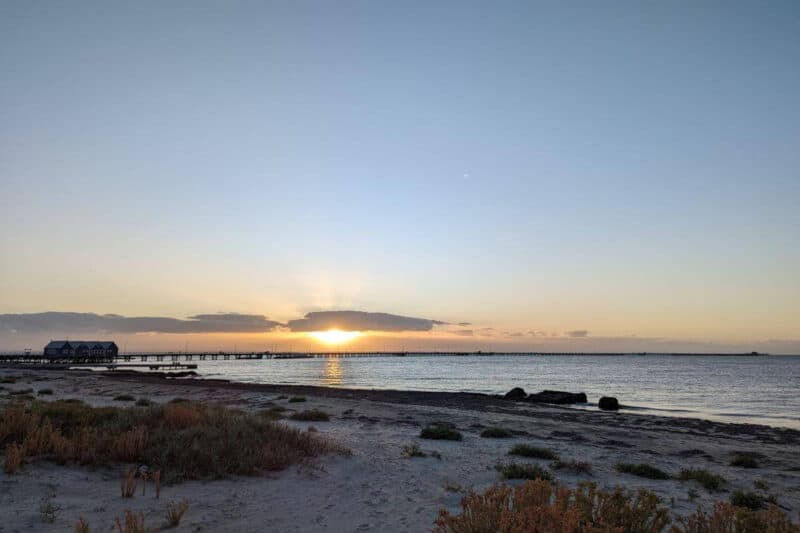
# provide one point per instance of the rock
(608, 403)
(516, 393)
(558, 397)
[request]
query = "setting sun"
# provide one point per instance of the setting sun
(335, 336)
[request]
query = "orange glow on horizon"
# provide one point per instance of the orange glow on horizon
(335, 336)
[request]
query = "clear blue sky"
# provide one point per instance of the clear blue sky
(624, 168)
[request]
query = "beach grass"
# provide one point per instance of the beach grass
(538, 506)
(440, 432)
(523, 471)
(745, 460)
(496, 433)
(184, 441)
(708, 480)
(748, 500)
(524, 450)
(572, 465)
(642, 470)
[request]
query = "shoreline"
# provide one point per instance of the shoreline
(474, 401)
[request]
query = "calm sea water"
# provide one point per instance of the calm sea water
(761, 389)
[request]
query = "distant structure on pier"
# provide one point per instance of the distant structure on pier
(81, 349)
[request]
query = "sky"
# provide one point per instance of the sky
(555, 176)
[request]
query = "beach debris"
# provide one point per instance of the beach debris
(608, 403)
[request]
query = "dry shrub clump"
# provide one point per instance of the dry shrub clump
(134, 523)
(128, 485)
(175, 512)
(14, 458)
(184, 441)
(82, 526)
(537, 506)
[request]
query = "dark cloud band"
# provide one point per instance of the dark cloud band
(360, 321)
(79, 323)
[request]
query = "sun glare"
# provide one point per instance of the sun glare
(335, 336)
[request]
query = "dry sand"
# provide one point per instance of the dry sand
(377, 489)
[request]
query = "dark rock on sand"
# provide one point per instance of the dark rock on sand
(516, 393)
(608, 403)
(555, 396)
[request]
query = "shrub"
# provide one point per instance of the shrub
(313, 415)
(43, 392)
(536, 506)
(82, 526)
(748, 500)
(571, 465)
(642, 470)
(708, 480)
(440, 432)
(175, 511)
(134, 523)
(744, 460)
(413, 450)
(728, 518)
(128, 485)
(21, 392)
(143, 402)
(210, 443)
(524, 450)
(523, 471)
(124, 398)
(496, 433)
(14, 458)
(178, 416)
(297, 399)
(48, 511)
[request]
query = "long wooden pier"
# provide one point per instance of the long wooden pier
(180, 359)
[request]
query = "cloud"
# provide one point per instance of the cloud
(578, 333)
(463, 332)
(463, 324)
(87, 323)
(360, 321)
(514, 334)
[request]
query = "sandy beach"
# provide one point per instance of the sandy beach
(377, 487)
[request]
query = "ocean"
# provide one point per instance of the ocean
(752, 389)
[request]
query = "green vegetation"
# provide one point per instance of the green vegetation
(708, 480)
(523, 471)
(496, 433)
(571, 465)
(523, 450)
(297, 399)
(642, 470)
(312, 415)
(440, 431)
(143, 402)
(748, 500)
(745, 460)
(183, 441)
